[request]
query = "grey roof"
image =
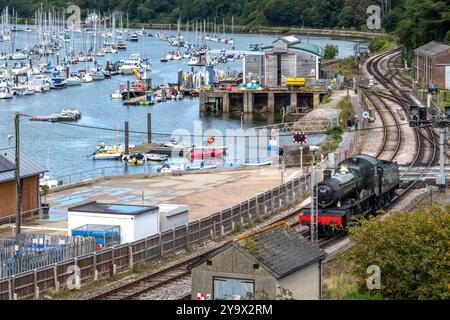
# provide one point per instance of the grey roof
(305, 47)
(113, 208)
(280, 250)
(432, 48)
(28, 167)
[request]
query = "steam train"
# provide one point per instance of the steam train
(361, 185)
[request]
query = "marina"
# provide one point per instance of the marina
(94, 100)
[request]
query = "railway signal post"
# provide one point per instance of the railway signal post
(300, 138)
(419, 119)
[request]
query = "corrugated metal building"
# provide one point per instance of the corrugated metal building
(30, 172)
(432, 64)
(263, 265)
(286, 58)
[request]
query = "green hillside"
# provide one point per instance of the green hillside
(414, 21)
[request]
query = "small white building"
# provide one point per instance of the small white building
(135, 222)
(173, 215)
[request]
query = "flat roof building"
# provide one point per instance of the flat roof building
(135, 222)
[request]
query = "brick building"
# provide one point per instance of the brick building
(432, 64)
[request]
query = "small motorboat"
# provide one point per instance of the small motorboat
(48, 181)
(134, 37)
(70, 114)
(108, 155)
(166, 168)
(6, 92)
(203, 166)
(98, 75)
(58, 82)
(87, 78)
(135, 158)
(117, 94)
(73, 80)
(156, 157)
(258, 164)
(121, 45)
(201, 152)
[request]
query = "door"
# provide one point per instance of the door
(447, 77)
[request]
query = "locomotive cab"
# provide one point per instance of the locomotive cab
(361, 185)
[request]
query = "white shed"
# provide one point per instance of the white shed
(135, 222)
(173, 216)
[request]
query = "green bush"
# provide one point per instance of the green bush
(381, 44)
(410, 248)
(331, 52)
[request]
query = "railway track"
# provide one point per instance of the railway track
(426, 155)
(392, 133)
(177, 272)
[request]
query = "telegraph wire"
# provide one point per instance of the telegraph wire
(202, 135)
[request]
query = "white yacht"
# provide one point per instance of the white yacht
(6, 92)
(40, 83)
(133, 62)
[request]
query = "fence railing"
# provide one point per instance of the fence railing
(106, 263)
(39, 251)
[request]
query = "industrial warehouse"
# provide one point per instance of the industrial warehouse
(243, 152)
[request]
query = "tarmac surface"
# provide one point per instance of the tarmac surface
(205, 193)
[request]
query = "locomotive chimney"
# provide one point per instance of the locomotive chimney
(326, 174)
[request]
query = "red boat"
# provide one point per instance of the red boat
(205, 152)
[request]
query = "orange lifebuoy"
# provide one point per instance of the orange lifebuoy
(211, 140)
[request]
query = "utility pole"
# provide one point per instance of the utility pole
(440, 179)
(149, 127)
(18, 191)
(314, 206)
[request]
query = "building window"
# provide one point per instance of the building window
(209, 262)
(232, 289)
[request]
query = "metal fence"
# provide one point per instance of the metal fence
(106, 263)
(38, 250)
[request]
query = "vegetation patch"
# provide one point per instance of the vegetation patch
(345, 110)
(346, 67)
(411, 250)
(332, 141)
(331, 52)
(382, 44)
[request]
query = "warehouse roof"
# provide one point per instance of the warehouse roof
(113, 208)
(432, 48)
(28, 167)
(280, 250)
(295, 43)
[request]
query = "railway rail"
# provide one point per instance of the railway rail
(178, 271)
(426, 154)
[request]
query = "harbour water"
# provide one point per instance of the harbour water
(65, 149)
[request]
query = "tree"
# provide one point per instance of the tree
(346, 17)
(411, 249)
(331, 52)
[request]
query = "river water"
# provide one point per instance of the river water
(64, 149)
